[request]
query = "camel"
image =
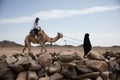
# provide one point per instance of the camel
(42, 39)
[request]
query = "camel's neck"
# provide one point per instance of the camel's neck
(55, 39)
(48, 39)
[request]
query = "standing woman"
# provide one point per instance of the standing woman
(86, 45)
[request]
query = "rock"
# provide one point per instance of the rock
(21, 65)
(59, 67)
(56, 76)
(118, 61)
(80, 62)
(67, 58)
(99, 78)
(55, 56)
(41, 73)
(87, 79)
(96, 65)
(3, 57)
(112, 59)
(114, 66)
(96, 56)
(88, 75)
(105, 75)
(7, 74)
(45, 60)
(83, 69)
(54, 68)
(69, 72)
(117, 55)
(108, 55)
(118, 77)
(32, 75)
(32, 56)
(45, 78)
(3, 64)
(11, 59)
(22, 76)
(16, 68)
(113, 76)
(17, 55)
(23, 61)
(34, 66)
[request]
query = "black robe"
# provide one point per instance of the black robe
(86, 45)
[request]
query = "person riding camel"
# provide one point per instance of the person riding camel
(36, 27)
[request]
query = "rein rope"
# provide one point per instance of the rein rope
(66, 41)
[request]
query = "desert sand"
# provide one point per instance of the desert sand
(57, 49)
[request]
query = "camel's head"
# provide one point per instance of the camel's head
(60, 35)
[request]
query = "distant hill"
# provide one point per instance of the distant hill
(7, 43)
(48, 45)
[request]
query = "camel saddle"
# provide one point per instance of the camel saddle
(32, 32)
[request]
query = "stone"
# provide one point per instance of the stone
(67, 58)
(80, 62)
(114, 66)
(32, 75)
(44, 60)
(88, 75)
(118, 77)
(3, 57)
(83, 69)
(16, 68)
(32, 56)
(105, 75)
(17, 55)
(113, 76)
(87, 79)
(11, 59)
(45, 78)
(23, 61)
(56, 76)
(34, 66)
(95, 55)
(99, 78)
(97, 65)
(7, 74)
(54, 68)
(69, 72)
(41, 73)
(22, 76)
(3, 64)
(21, 65)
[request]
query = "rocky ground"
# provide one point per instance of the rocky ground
(59, 63)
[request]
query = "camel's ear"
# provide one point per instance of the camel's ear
(60, 34)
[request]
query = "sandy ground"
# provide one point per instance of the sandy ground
(36, 50)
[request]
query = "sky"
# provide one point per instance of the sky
(72, 18)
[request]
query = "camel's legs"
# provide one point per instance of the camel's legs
(43, 48)
(29, 47)
(25, 46)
